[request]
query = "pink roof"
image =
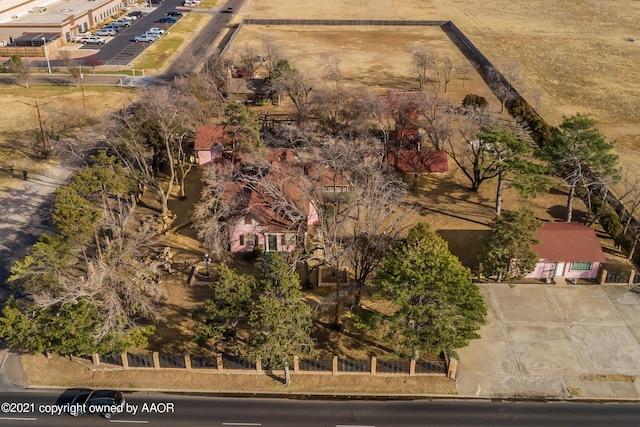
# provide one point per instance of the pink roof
(568, 242)
(411, 161)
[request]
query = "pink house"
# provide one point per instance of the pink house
(262, 221)
(567, 250)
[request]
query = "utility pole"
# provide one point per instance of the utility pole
(84, 103)
(44, 140)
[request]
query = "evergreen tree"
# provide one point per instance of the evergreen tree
(280, 320)
(507, 253)
(437, 307)
(579, 153)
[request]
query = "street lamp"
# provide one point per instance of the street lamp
(46, 53)
(207, 261)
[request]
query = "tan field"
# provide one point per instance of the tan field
(569, 56)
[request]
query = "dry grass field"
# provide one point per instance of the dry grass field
(570, 56)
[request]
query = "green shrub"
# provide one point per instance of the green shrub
(255, 253)
(540, 130)
(476, 101)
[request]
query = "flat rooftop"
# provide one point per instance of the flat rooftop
(57, 12)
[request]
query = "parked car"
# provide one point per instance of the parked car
(121, 23)
(144, 38)
(115, 28)
(156, 30)
(99, 402)
(92, 40)
(130, 17)
(106, 32)
(175, 14)
(137, 13)
(167, 20)
(154, 36)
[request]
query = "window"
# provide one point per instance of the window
(580, 266)
(288, 239)
(248, 239)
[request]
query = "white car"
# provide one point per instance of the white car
(156, 30)
(154, 36)
(106, 32)
(92, 40)
(130, 17)
(144, 38)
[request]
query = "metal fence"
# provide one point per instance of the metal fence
(140, 360)
(394, 366)
(171, 361)
(237, 362)
(354, 365)
(226, 363)
(316, 365)
(335, 22)
(202, 362)
(111, 359)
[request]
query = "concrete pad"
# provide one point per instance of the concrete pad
(635, 331)
(585, 304)
(544, 350)
(524, 303)
(616, 390)
(607, 349)
(492, 315)
(490, 354)
(626, 302)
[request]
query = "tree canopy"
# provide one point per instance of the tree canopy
(508, 252)
(579, 152)
(437, 307)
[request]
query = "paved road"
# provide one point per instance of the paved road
(174, 410)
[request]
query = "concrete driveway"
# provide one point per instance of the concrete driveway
(555, 341)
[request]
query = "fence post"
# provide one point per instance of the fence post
(452, 373)
(258, 366)
(412, 367)
(374, 368)
(125, 360)
(603, 277)
(187, 362)
(95, 359)
(296, 364)
(632, 275)
(219, 363)
(156, 360)
(334, 365)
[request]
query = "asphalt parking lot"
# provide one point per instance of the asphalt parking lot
(555, 341)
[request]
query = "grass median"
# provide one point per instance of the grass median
(159, 52)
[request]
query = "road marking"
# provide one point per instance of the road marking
(241, 424)
(18, 419)
(129, 421)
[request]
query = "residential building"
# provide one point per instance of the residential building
(568, 250)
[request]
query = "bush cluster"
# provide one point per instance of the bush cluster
(522, 111)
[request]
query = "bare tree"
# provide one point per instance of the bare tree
(471, 154)
(629, 196)
(248, 58)
(423, 60)
(446, 71)
(436, 119)
(271, 54)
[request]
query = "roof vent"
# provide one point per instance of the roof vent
(39, 10)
